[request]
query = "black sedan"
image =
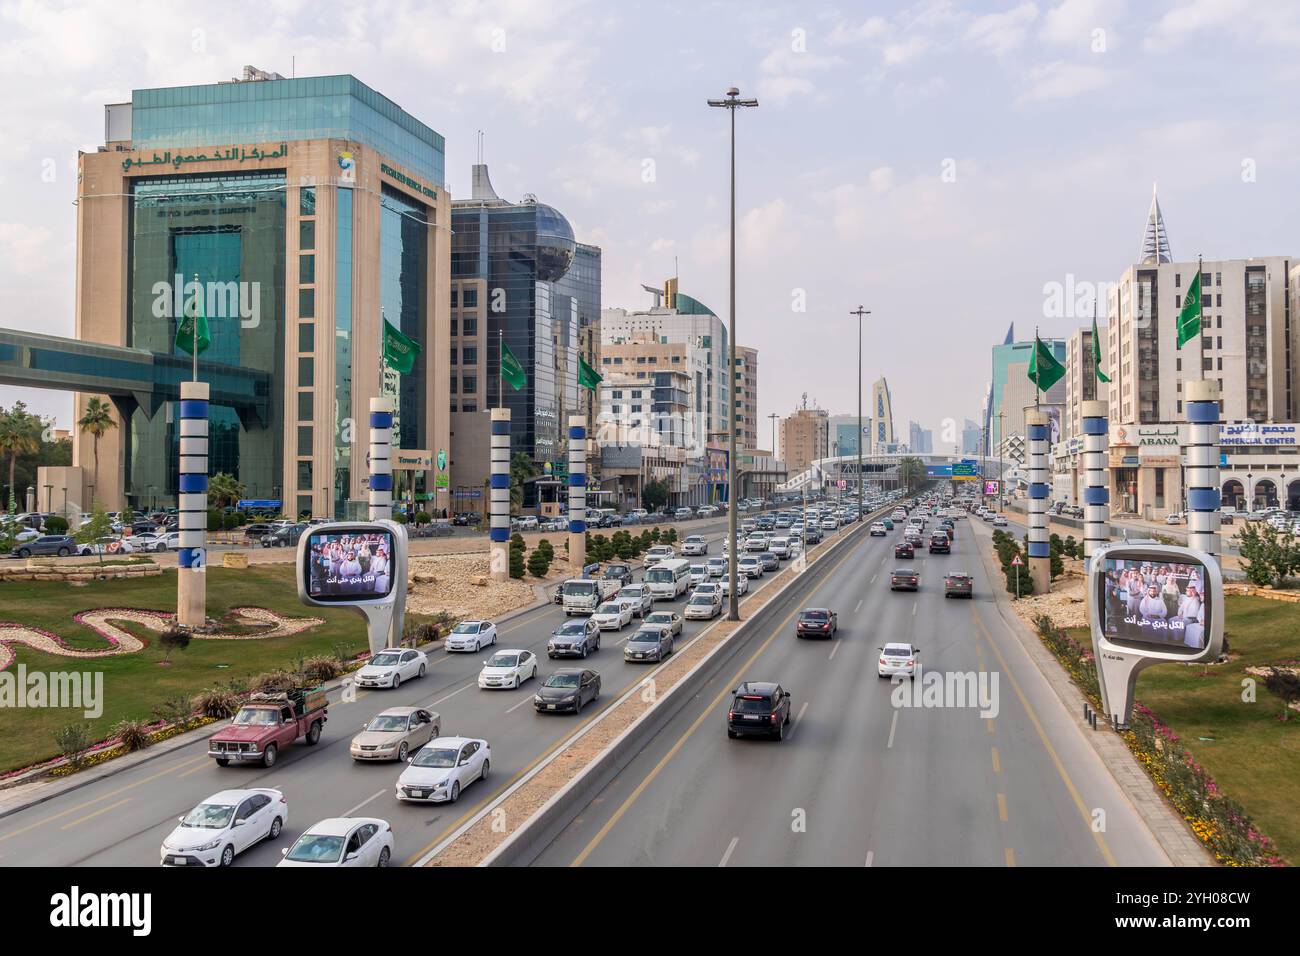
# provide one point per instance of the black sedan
(905, 549)
(568, 689)
(816, 622)
(904, 579)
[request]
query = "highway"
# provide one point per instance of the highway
(859, 782)
(122, 819)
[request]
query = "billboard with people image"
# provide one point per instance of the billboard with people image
(349, 566)
(1154, 603)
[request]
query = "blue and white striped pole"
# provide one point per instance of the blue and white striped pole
(577, 490)
(1040, 551)
(499, 502)
(1202, 404)
(192, 505)
(1096, 481)
(381, 460)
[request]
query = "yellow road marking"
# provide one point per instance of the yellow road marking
(704, 715)
(1011, 856)
(1002, 807)
(90, 816)
(1047, 744)
(997, 764)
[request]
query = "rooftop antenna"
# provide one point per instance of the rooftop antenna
(480, 147)
(293, 66)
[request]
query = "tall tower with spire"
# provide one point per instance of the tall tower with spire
(1155, 241)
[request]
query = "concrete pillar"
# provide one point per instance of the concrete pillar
(499, 504)
(192, 499)
(1096, 484)
(577, 490)
(1201, 399)
(1038, 430)
(381, 461)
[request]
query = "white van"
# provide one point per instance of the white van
(669, 579)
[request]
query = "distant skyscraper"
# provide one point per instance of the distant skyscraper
(882, 415)
(1155, 241)
(920, 440)
(971, 437)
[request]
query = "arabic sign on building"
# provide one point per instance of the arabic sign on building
(1250, 433)
(1232, 434)
(231, 154)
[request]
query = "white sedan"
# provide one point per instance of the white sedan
(508, 668)
(613, 615)
(701, 607)
(108, 546)
(343, 841)
(898, 660)
(443, 769)
(750, 566)
(742, 584)
(471, 636)
(225, 825)
(389, 668)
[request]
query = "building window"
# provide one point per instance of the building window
(306, 234)
(469, 383)
(306, 372)
(306, 336)
(304, 476)
(454, 382)
(306, 269)
(455, 327)
(469, 327)
(305, 404)
(469, 407)
(470, 298)
(306, 303)
(455, 295)
(304, 439)
(304, 505)
(469, 355)
(307, 201)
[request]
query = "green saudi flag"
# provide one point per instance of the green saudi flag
(1189, 319)
(1096, 353)
(588, 377)
(512, 373)
(400, 352)
(1044, 368)
(192, 331)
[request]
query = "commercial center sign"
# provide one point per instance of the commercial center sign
(1231, 434)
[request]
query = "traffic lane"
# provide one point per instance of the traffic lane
(129, 831)
(680, 815)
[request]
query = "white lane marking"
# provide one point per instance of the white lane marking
(893, 725)
(833, 650)
(730, 848)
(873, 578)
(859, 605)
(794, 725)
(914, 608)
(373, 796)
(473, 683)
(528, 699)
(871, 855)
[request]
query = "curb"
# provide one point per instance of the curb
(1164, 823)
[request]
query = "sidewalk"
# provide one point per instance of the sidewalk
(1168, 828)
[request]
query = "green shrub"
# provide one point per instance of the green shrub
(72, 740)
(517, 563)
(273, 682)
(321, 667)
(134, 734)
(538, 563)
(56, 524)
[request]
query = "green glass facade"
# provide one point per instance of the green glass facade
(343, 350)
(228, 231)
(403, 297)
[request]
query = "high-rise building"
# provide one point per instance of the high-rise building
(518, 277)
(305, 212)
(920, 440)
(746, 392)
(1013, 392)
(882, 415)
(971, 438)
(1080, 379)
(805, 438)
(844, 435)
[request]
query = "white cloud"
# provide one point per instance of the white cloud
(1002, 33)
(1071, 23)
(1060, 80)
(786, 73)
(904, 51)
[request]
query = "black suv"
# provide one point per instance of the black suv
(940, 543)
(759, 708)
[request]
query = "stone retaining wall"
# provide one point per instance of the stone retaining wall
(43, 569)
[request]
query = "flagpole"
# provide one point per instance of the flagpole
(194, 328)
(501, 354)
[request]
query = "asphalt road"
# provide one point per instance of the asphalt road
(122, 820)
(859, 781)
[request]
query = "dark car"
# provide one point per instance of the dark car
(770, 561)
(569, 688)
(619, 572)
(940, 543)
(958, 584)
(574, 639)
(47, 544)
(463, 518)
(286, 537)
(811, 533)
(758, 708)
(816, 622)
(257, 530)
(904, 579)
(904, 549)
(651, 642)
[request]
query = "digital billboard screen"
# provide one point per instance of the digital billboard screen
(1155, 604)
(349, 566)
(991, 486)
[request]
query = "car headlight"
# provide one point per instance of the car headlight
(209, 846)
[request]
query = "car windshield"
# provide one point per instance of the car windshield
(316, 848)
(607, 609)
(702, 599)
(256, 717)
(904, 572)
(695, 539)
(898, 650)
(571, 629)
(466, 627)
(384, 660)
(503, 660)
(659, 575)
(441, 758)
(632, 590)
(659, 617)
(387, 723)
(209, 816)
(562, 680)
(644, 636)
(580, 588)
(752, 705)
(697, 569)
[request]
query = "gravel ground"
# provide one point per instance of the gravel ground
(446, 583)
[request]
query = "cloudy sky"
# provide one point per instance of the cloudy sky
(937, 162)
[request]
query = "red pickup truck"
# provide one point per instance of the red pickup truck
(267, 724)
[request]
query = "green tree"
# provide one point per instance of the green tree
(422, 518)
(911, 472)
(97, 420)
(522, 467)
(654, 495)
(99, 526)
(20, 434)
(538, 563)
(1268, 555)
(224, 489)
(517, 559)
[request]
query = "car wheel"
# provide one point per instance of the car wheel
(64, 552)
(228, 855)
(384, 857)
(421, 674)
(577, 708)
(584, 651)
(731, 734)
(455, 791)
(276, 826)
(24, 553)
(487, 765)
(269, 755)
(313, 734)
(397, 681)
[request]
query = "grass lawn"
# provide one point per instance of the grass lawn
(134, 684)
(1253, 756)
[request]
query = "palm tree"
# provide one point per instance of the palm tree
(522, 468)
(20, 434)
(911, 471)
(224, 489)
(97, 420)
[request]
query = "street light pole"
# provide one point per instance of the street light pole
(731, 104)
(860, 312)
(1002, 443)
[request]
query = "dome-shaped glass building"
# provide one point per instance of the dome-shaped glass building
(555, 244)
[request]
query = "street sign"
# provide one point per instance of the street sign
(1016, 562)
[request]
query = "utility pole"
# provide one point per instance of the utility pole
(1001, 482)
(860, 313)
